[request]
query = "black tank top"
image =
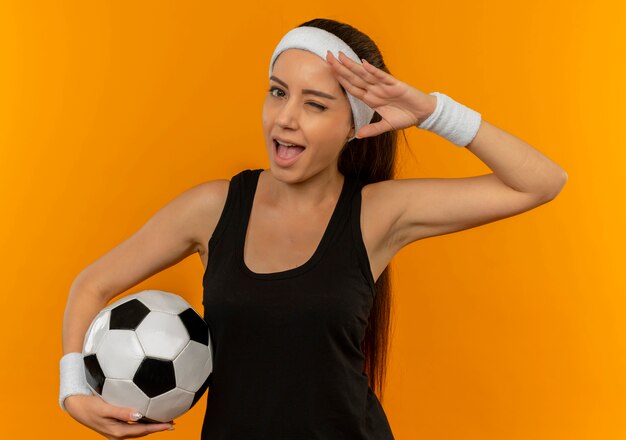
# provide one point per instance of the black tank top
(287, 362)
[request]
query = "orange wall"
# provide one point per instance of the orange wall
(512, 330)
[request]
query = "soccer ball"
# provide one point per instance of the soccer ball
(150, 351)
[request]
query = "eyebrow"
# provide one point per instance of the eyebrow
(305, 91)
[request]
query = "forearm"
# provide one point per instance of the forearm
(516, 163)
(513, 161)
(83, 304)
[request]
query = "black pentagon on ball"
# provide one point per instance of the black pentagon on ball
(155, 376)
(128, 316)
(196, 326)
(93, 373)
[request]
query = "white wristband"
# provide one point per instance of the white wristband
(452, 121)
(73, 379)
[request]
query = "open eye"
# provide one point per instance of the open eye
(274, 88)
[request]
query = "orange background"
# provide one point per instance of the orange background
(511, 330)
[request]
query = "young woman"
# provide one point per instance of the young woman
(296, 286)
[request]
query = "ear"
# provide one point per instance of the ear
(351, 133)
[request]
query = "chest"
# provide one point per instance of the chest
(276, 242)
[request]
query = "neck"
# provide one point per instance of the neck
(305, 195)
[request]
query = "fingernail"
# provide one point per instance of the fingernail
(171, 428)
(136, 415)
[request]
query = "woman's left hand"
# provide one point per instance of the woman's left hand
(399, 104)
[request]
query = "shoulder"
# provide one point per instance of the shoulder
(206, 201)
(382, 198)
(210, 197)
(381, 208)
(206, 196)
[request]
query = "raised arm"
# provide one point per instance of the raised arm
(522, 179)
(411, 209)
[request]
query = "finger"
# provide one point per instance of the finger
(374, 129)
(357, 68)
(352, 89)
(121, 413)
(348, 71)
(119, 429)
(353, 71)
(140, 429)
(380, 75)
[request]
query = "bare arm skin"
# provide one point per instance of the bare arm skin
(407, 210)
(171, 235)
(522, 179)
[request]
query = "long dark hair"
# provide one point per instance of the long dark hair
(370, 160)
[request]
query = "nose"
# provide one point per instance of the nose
(288, 115)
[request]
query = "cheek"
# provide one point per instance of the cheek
(266, 111)
(330, 142)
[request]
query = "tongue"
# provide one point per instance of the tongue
(289, 152)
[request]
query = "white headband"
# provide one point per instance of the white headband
(318, 41)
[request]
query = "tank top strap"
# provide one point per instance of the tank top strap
(239, 198)
(249, 182)
(357, 235)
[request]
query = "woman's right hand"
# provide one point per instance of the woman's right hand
(109, 420)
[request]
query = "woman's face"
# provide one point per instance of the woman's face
(319, 122)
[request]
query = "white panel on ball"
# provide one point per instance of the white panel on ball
(98, 328)
(187, 363)
(159, 301)
(120, 354)
(125, 393)
(162, 335)
(169, 405)
(147, 352)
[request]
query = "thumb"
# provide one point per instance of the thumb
(124, 413)
(132, 414)
(373, 129)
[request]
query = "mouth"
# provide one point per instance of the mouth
(286, 154)
(287, 151)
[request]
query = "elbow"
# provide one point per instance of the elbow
(81, 283)
(556, 188)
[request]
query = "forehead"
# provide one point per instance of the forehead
(301, 67)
